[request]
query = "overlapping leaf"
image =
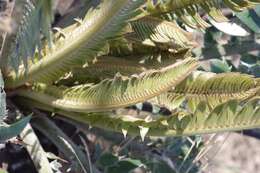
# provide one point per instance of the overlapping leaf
(188, 10)
(113, 93)
(108, 66)
(156, 32)
(78, 45)
(232, 115)
(212, 88)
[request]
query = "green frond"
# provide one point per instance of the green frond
(230, 116)
(79, 45)
(135, 50)
(105, 67)
(188, 10)
(108, 66)
(151, 36)
(212, 88)
(169, 100)
(157, 32)
(37, 19)
(47, 17)
(112, 93)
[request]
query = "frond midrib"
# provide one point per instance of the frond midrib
(156, 129)
(120, 99)
(174, 5)
(83, 34)
(200, 84)
(217, 93)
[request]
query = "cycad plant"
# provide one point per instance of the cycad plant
(124, 52)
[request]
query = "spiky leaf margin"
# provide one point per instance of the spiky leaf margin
(153, 31)
(230, 116)
(188, 10)
(80, 44)
(112, 93)
(212, 88)
(108, 66)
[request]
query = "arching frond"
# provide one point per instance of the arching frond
(156, 32)
(230, 116)
(112, 93)
(135, 50)
(79, 45)
(188, 10)
(108, 66)
(212, 88)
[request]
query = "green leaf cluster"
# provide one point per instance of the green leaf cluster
(126, 52)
